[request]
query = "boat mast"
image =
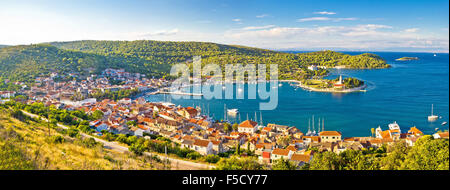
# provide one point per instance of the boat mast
(260, 118)
(225, 112)
(323, 124)
(318, 127)
(309, 126)
(314, 131)
(431, 109)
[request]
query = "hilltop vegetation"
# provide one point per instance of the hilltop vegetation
(28, 144)
(426, 154)
(155, 58)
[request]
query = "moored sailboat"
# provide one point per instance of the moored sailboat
(432, 117)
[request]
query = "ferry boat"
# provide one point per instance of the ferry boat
(432, 117)
(232, 111)
(394, 126)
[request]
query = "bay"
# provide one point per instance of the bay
(403, 93)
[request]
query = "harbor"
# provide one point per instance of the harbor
(404, 98)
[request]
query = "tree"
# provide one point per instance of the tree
(211, 158)
(132, 123)
(395, 156)
(235, 127)
(137, 148)
(282, 164)
(236, 163)
(238, 149)
(227, 127)
(193, 155)
(325, 161)
(97, 115)
(284, 140)
(428, 154)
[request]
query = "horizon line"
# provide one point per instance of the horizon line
(278, 49)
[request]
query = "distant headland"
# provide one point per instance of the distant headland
(407, 58)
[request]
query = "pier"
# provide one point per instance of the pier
(175, 93)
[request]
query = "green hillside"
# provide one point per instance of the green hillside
(154, 58)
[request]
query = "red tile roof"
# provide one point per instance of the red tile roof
(202, 143)
(330, 133)
(280, 151)
(248, 124)
(301, 157)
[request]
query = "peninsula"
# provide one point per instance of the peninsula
(407, 58)
(338, 85)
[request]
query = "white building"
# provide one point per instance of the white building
(312, 67)
(7, 94)
(247, 126)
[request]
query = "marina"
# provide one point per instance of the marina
(403, 93)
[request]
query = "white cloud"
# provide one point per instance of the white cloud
(262, 16)
(370, 37)
(325, 13)
(161, 33)
(313, 19)
(237, 20)
(258, 27)
(411, 30)
(324, 19)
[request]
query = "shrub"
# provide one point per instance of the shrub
(193, 155)
(56, 139)
(211, 158)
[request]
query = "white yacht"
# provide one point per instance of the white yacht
(232, 111)
(394, 126)
(432, 117)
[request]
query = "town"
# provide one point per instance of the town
(190, 127)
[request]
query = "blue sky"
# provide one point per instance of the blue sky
(359, 25)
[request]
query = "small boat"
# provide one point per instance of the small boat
(444, 123)
(280, 85)
(232, 111)
(432, 117)
(394, 126)
(434, 55)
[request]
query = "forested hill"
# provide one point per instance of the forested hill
(146, 48)
(2, 46)
(154, 58)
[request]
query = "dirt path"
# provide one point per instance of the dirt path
(176, 164)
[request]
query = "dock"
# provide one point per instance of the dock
(174, 93)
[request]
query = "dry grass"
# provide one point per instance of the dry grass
(72, 154)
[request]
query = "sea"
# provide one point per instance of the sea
(403, 93)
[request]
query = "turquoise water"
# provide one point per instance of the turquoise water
(403, 93)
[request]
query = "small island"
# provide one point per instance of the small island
(407, 58)
(339, 85)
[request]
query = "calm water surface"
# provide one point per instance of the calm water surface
(403, 93)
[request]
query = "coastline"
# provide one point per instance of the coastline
(332, 90)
